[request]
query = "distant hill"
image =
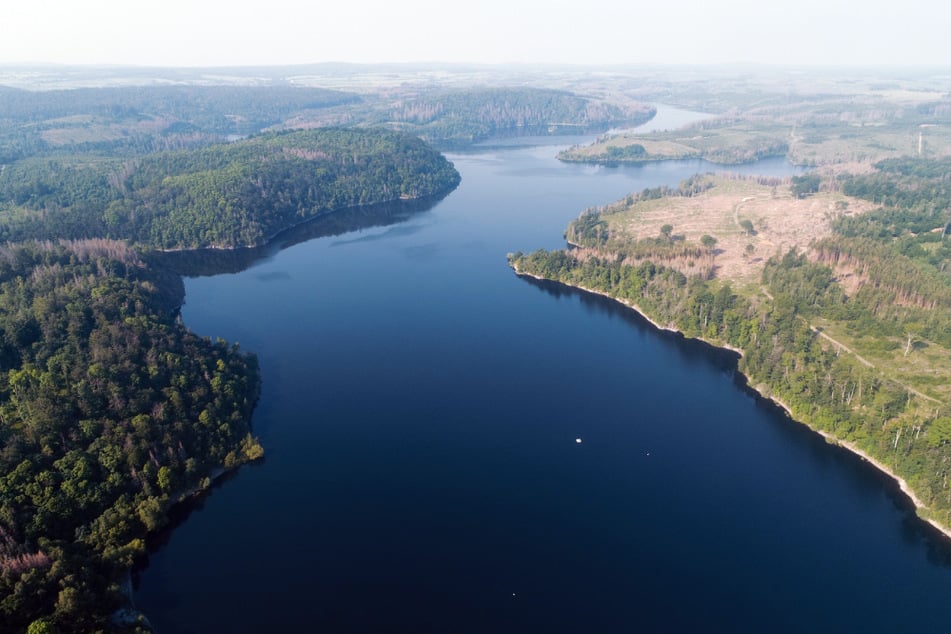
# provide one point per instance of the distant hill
(460, 117)
(137, 119)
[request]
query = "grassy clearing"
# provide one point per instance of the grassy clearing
(926, 368)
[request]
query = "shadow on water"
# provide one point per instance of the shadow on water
(537, 135)
(179, 514)
(866, 476)
(207, 262)
(690, 349)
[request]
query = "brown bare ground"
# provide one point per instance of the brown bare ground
(780, 222)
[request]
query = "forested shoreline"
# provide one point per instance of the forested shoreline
(111, 410)
(224, 196)
(901, 300)
(459, 118)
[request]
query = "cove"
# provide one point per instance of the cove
(419, 411)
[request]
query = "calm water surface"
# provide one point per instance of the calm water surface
(420, 408)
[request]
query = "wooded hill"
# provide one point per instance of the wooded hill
(461, 117)
(224, 195)
(134, 120)
(130, 121)
(110, 412)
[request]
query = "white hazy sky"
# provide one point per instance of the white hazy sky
(260, 32)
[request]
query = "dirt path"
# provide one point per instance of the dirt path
(841, 346)
(869, 364)
(736, 211)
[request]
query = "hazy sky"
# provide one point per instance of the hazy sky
(241, 32)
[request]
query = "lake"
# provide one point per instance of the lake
(420, 410)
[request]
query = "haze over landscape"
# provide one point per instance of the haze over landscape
(501, 317)
(230, 33)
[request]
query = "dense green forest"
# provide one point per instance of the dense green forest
(110, 411)
(225, 195)
(898, 303)
(461, 117)
(130, 121)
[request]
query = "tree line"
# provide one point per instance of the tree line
(461, 117)
(225, 195)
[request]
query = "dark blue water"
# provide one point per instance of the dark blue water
(419, 412)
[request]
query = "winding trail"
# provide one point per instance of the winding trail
(736, 211)
(844, 348)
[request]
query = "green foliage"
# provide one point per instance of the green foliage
(461, 117)
(41, 626)
(109, 410)
(898, 260)
(809, 286)
(626, 152)
(239, 194)
(804, 185)
(588, 229)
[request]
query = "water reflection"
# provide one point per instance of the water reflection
(208, 262)
(866, 481)
(688, 349)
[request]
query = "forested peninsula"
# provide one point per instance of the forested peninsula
(851, 332)
(224, 196)
(111, 411)
(459, 118)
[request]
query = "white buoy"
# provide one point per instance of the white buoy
(578, 441)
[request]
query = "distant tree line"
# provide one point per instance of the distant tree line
(157, 117)
(461, 117)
